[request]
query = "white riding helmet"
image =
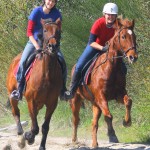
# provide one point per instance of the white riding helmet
(110, 8)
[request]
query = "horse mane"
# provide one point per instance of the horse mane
(120, 21)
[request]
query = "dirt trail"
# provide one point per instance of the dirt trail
(9, 138)
(8, 141)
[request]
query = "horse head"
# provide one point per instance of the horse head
(126, 39)
(51, 35)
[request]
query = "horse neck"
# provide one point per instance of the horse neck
(114, 49)
(112, 58)
(49, 63)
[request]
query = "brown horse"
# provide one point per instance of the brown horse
(108, 82)
(42, 88)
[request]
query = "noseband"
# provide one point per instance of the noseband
(51, 37)
(122, 50)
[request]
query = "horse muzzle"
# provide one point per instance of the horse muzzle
(52, 48)
(132, 57)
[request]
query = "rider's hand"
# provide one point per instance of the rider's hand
(105, 48)
(39, 50)
(38, 53)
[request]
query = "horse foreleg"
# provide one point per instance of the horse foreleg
(45, 127)
(108, 119)
(75, 106)
(16, 114)
(111, 132)
(128, 104)
(96, 115)
(30, 136)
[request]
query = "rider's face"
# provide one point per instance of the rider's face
(50, 3)
(110, 18)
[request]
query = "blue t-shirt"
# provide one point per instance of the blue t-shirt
(37, 14)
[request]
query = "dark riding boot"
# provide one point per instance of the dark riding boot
(64, 74)
(76, 78)
(17, 94)
(64, 89)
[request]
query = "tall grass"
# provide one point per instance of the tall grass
(78, 16)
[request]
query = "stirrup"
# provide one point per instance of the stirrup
(68, 95)
(15, 95)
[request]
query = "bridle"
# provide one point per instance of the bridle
(124, 52)
(50, 47)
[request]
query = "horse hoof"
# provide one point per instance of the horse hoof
(7, 147)
(74, 140)
(113, 139)
(29, 136)
(42, 148)
(30, 142)
(95, 145)
(127, 124)
(21, 142)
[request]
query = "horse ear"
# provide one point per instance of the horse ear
(133, 23)
(58, 22)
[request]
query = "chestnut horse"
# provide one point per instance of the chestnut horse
(108, 82)
(42, 88)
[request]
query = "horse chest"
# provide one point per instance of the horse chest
(114, 85)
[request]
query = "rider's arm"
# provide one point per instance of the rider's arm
(30, 28)
(93, 43)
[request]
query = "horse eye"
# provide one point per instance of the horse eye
(123, 37)
(44, 30)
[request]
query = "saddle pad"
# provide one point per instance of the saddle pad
(28, 70)
(89, 70)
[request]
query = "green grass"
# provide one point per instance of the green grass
(78, 16)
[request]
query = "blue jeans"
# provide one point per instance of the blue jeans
(86, 56)
(28, 50)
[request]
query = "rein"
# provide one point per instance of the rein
(124, 55)
(45, 50)
(122, 50)
(51, 37)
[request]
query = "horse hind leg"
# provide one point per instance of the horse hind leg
(16, 114)
(75, 106)
(128, 104)
(96, 115)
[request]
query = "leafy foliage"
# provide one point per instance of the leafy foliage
(78, 16)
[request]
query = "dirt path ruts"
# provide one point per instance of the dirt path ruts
(8, 141)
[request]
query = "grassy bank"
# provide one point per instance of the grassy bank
(78, 16)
